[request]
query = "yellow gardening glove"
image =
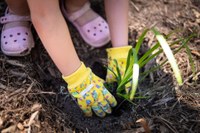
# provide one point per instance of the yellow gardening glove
(90, 92)
(120, 55)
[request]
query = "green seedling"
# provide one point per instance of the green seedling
(132, 76)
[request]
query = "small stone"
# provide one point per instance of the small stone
(20, 126)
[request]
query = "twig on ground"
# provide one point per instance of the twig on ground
(43, 92)
(167, 123)
(29, 89)
(15, 63)
(137, 9)
(15, 92)
(18, 74)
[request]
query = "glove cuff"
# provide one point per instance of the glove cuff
(118, 52)
(76, 78)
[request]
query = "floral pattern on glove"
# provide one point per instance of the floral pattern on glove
(92, 95)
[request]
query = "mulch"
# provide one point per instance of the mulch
(33, 97)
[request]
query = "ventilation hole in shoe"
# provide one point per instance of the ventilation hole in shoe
(4, 36)
(106, 27)
(88, 30)
(99, 24)
(11, 35)
(100, 30)
(26, 33)
(18, 34)
(6, 42)
(15, 40)
(94, 34)
(95, 27)
(24, 39)
(5, 18)
(2, 19)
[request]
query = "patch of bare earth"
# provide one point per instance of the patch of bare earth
(33, 97)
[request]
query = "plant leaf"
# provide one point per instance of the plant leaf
(189, 53)
(140, 40)
(150, 51)
(135, 75)
(128, 60)
(125, 97)
(118, 80)
(118, 71)
(169, 55)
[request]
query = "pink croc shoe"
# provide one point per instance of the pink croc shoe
(95, 32)
(16, 36)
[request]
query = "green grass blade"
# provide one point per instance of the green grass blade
(189, 53)
(126, 97)
(140, 40)
(130, 66)
(150, 58)
(118, 80)
(124, 81)
(128, 71)
(144, 74)
(169, 55)
(156, 46)
(142, 97)
(135, 75)
(148, 53)
(157, 53)
(184, 42)
(118, 71)
(128, 60)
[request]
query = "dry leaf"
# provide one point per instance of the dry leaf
(144, 124)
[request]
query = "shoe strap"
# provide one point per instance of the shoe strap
(13, 18)
(72, 17)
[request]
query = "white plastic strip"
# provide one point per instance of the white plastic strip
(88, 88)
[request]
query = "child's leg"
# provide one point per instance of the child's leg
(92, 27)
(19, 7)
(83, 85)
(16, 37)
(53, 32)
(117, 16)
(74, 5)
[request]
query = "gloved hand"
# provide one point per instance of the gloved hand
(120, 54)
(90, 92)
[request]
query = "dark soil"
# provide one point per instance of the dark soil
(34, 98)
